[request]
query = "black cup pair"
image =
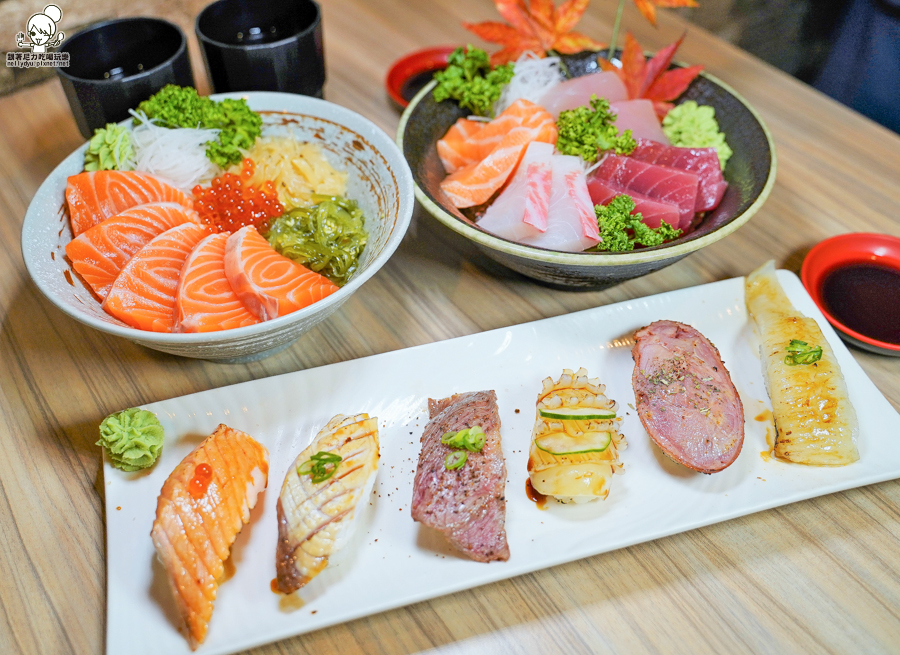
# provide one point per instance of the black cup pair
(247, 46)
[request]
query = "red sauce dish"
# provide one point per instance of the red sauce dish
(854, 279)
(409, 74)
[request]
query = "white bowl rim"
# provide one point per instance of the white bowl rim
(585, 259)
(261, 101)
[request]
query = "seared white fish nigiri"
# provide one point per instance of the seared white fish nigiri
(319, 497)
(814, 420)
(576, 441)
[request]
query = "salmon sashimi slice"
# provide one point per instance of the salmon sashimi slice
(270, 285)
(100, 253)
(98, 195)
(476, 183)
(143, 294)
(316, 517)
(202, 507)
(205, 301)
(453, 149)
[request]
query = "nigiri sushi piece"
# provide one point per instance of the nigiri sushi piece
(317, 508)
(640, 117)
(576, 441)
(100, 253)
(520, 211)
(814, 420)
(202, 507)
(571, 221)
(577, 92)
(95, 196)
(476, 183)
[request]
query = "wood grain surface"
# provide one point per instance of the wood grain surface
(817, 576)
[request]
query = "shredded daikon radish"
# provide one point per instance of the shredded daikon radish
(177, 154)
(532, 78)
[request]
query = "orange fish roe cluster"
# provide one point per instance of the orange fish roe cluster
(229, 204)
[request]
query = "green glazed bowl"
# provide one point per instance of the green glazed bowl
(750, 174)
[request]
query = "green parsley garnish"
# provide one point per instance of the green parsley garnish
(802, 353)
(620, 230)
(320, 466)
(455, 460)
(588, 131)
(181, 106)
(470, 80)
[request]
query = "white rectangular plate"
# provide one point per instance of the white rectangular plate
(393, 561)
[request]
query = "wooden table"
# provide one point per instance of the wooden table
(817, 576)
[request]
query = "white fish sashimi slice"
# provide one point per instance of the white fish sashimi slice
(315, 519)
(571, 222)
(519, 211)
(577, 92)
(639, 117)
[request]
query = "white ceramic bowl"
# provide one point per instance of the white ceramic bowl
(379, 179)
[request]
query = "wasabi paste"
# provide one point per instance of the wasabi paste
(690, 125)
(132, 439)
(109, 149)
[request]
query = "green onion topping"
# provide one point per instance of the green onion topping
(455, 460)
(471, 439)
(320, 466)
(802, 353)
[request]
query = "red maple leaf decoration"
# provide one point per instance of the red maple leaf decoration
(651, 79)
(648, 7)
(536, 25)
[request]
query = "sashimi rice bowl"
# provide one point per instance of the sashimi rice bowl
(218, 227)
(583, 173)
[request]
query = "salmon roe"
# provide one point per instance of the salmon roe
(229, 203)
(200, 482)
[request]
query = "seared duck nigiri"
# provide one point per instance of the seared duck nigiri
(317, 506)
(575, 443)
(201, 509)
(814, 420)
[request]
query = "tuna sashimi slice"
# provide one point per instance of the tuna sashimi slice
(577, 92)
(195, 527)
(640, 117)
(657, 182)
(652, 212)
(702, 162)
(205, 301)
(571, 222)
(475, 184)
(520, 210)
(467, 505)
(100, 253)
(269, 284)
(143, 294)
(98, 195)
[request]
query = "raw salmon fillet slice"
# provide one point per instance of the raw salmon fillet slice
(143, 295)
(100, 253)
(195, 527)
(98, 195)
(205, 301)
(270, 285)
(476, 183)
(454, 149)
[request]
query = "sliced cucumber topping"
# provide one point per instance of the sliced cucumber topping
(562, 444)
(578, 414)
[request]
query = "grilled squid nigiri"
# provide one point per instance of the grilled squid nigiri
(202, 507)
(575, 443)
(316, 513)
(814, 420)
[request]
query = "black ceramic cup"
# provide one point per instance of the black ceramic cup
(256, 45)
(117, 64)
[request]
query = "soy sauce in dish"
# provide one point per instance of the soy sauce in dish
(866, 298)
(416, 83)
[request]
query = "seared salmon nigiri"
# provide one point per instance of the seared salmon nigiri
(317, 506)
(202, 507)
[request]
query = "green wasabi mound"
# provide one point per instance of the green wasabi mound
(690, 125)
(109, 149)
(132, 439)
